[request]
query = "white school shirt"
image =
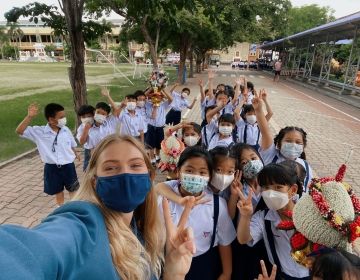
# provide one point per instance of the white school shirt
(206, 103)
(110, 126)
(179, 103)
(131, 124)
(142, 112)
(44, 137)
(281, 240)
(248, 100)
(160, 119)
(201, 220)
(252, 132)
(228, 109)
(215, 141)
(269, 154)
(94, 136)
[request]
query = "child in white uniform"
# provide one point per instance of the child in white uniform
(288, 144)
(210, 221)
(278, 187)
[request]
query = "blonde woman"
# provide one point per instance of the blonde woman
(111, 229)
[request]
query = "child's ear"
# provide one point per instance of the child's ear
(293, 189)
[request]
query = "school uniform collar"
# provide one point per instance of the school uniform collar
(273, 216)
(48, 129)
(136, 113)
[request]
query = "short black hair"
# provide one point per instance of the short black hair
(275, 173)
(187, 89)
(246, 109)
(220, 152)
(227, 118)
(209, 108)
(221, 92)
(280, 136)
(300, 173)
(196, 127)
(130, 96)
(193, 152)
(85, 109)
(51, 110)
(250, 85)
(139, 93)
(336, 265)
(104, 106)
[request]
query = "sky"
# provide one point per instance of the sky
(341, 7)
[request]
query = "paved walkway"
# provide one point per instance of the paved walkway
(332, 133)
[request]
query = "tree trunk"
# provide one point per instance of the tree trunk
(191, 67)
(73, 11)
(184, 43)
(157, 37)
(149, 41)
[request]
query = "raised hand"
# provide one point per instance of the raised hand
(201, 83)
(264, 275)
(105, 92)
(236, 186)
(257, 102)
(201, 199)
(245, 204)
(33, 110)
(180, 244)
(263, 94)
(211, 75)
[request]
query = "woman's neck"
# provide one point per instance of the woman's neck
(127, 217)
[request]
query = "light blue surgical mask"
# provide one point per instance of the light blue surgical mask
(291, 150)
(193, 183)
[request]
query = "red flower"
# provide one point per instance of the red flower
(298, 241)
(286, 225)
(354, 229)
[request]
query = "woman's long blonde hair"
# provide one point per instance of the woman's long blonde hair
(132, 260)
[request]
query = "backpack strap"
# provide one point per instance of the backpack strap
(216, 218)
(307, 177)
(270, 237)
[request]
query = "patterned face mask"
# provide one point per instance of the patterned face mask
(252, 168)
(193, 183)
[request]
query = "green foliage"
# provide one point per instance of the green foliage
(9, 51)
(50, 48)
(342, 53)
(308, 16)
(51, 17)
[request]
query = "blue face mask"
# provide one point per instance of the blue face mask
(124, 192)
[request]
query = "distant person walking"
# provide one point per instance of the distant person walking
(277, 68)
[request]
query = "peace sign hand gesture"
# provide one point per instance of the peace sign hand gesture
(245, 204)
(180, 244)
(236, 187)
(264, 275)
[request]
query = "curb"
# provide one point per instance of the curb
(32, 152)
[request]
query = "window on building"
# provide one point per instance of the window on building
(33, 38)
(237, 53)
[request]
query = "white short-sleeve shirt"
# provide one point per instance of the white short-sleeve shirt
(201, 221)
(281, 240)
(179, 103)
(160, 119)
(216, 141)
(272, 152)
(142, 112)
(206, 103)
(94, 136)
(110, 126)
(252, 132)
(131, 124)
(44, 137)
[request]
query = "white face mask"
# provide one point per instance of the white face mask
(89, 120)
(251, 119)
(275, 200)
(61, 122)
(141, 104)
(191, 140)
(225, 130)
(221, 181)
(131, 106)
(291, 150)
(99, 118)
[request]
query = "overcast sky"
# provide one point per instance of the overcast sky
(341, 7)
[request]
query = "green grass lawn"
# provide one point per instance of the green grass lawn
(13, 111)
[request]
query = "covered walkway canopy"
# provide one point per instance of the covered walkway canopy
(309, 54)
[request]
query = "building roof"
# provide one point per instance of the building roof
(342, 28)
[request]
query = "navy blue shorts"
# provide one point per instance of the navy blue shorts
(58, 177)
(154, 136)
(87, 156)
(173, 117)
